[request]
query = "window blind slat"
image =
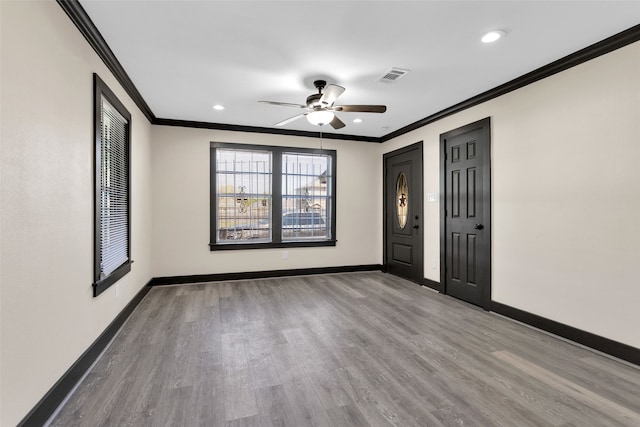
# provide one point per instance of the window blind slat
(114, 203)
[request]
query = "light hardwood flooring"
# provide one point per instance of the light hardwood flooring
(357, 349)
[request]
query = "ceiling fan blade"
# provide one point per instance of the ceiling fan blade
(284, 104)
(290, 119)
(360, 108)
(331, 93)
(336, 123)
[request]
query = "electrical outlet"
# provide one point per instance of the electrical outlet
(285, 254)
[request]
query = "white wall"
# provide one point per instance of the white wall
(565, 202)
(181, 206)
(48, 315)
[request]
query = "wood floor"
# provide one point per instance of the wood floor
(359, 349)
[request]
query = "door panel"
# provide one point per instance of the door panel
(471, 192)
(455, 193)
(472, 266)
(465, 221)
(403, 254)
(403, 213)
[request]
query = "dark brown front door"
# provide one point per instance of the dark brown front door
(403, 213)
(466, 221)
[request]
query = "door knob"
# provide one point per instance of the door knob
(478, 226)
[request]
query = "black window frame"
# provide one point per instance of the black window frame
(276, 197)
(101, 90)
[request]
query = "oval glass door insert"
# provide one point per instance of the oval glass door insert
(402, 200)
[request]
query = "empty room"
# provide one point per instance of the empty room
(319, 213)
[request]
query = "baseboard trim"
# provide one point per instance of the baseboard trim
(217, 277)
(432, 284)
(596, 342)
(47, 406)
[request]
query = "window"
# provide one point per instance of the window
(243, 182)
(263, 196)
(112, 229)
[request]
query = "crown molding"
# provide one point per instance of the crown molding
(607, 45)
(255, 129)
(85, 25)
(87, 28)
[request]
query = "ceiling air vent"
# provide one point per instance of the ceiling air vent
(393, 75)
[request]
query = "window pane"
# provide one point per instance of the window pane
(243, 181)
(402, 200)
(306, 196)
(114, 202)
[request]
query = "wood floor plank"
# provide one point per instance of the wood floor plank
(275, 409)
(535, 402)
(264, 372)
(252, 421)
(239, 394)
(372, 401)
(348, 415)
(306, 406)
(611, 409)
(208, 399)
(621, 382)
(356, 349)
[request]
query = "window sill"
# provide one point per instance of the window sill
(102, 285)
(270, 245)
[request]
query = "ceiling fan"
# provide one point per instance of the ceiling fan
(321, 109)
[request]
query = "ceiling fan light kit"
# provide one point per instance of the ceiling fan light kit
(321, 109)
(320, 117)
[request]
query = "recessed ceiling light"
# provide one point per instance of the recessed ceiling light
(493, 36)
(218, 107)
(357, 120)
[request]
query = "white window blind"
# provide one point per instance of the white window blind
(114, 217)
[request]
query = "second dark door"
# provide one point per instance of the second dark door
(466, 223)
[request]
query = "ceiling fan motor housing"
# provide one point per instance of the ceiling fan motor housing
(314, 100)
(320, 84)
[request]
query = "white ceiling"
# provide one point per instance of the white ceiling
(186, 56)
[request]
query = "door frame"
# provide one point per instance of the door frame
(485, 251)
(418, 145)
